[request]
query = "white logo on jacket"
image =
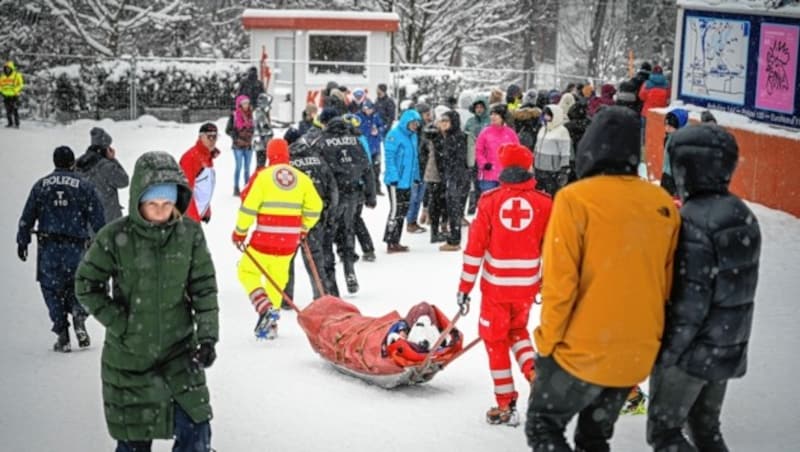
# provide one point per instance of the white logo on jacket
(516, 214)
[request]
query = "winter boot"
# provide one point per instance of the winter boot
(79, 323)
(392, 248)
(352, 283)
(636, 403)
(503, 415)
(437, 237)
(267, 326)
(414, 228)
(369, 256)
(450, 247)
(62, 343)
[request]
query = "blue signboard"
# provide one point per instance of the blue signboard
(745, 64)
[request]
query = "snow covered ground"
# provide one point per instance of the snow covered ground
(280, 395)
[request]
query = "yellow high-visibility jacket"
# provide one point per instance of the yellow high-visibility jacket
(283, 202)
(11, 85)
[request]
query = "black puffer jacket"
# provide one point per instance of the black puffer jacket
(710, 311)
(577, 124)
(453, 166)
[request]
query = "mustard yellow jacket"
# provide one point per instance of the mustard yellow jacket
(607, 273)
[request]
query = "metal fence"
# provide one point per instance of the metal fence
(70, 87)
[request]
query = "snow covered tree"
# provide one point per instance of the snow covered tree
(111, 27)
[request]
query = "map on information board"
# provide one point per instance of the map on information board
(715, 59)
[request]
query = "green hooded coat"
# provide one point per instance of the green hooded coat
(164, 304)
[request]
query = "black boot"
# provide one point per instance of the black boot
(62, 343)
(352, 282)
(79, 323)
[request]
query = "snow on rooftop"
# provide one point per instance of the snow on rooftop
(742, 6)
(318, 14)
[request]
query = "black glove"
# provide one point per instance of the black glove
(563, 177)
(22, 252)
(204, 356)
(371, 202)
(206, 219)
(463, 303)
(487, 166)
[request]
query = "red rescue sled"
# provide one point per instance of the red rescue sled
(356, 344)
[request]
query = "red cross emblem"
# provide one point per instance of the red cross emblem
(516, 214)
(284, 178)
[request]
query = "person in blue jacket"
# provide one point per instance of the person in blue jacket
(676, 119)
(63, 205)
(402, 171)
(373, 128)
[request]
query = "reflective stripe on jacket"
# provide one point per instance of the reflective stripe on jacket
(283, 202)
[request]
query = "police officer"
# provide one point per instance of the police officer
(63, 205)
(340, 148)
(306, 158)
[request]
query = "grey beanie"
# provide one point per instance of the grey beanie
(100, 137)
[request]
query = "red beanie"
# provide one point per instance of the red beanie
(515, 155)
(277, 151)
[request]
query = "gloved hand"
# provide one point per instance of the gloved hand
(215, 153)
(371, 203)
(563, 177)
(204, 356)
(463, 303)
(206, 219)
(238, 239)
(487, 166)
(22, 252)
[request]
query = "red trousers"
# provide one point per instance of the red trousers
(503, 326)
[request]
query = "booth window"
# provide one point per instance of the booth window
(347, 54)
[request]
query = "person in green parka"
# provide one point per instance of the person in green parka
(162, 319)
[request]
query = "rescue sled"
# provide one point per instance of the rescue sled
(357, 345)
(361, 346)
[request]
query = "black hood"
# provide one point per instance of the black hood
(611, 144)
(703, 159)
(455, 120)
(577, 111)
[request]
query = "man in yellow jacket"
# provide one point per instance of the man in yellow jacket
(11, 84)
(607, 273)
(284, 205)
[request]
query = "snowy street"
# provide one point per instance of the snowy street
(279, 395)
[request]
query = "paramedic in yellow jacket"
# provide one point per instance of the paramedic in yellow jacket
(284, 205)
(11, 84)
(607, 273)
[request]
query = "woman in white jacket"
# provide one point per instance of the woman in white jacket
(551, 156)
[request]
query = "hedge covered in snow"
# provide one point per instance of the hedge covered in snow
(106, 85)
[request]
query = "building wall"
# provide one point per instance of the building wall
(378, 71)
(768, 165)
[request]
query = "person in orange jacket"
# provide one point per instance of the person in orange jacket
(505, 238)
(198, 166)
(607, 273)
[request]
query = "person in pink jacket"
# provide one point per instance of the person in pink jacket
(488, 144)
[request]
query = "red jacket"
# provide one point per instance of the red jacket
(654, 96)
(506, 238)
(193, 163)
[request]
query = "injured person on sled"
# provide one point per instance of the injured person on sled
(387, 351)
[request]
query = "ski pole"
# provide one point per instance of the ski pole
(243, 248)
(313, 265)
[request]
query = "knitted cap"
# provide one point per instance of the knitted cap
(168, 192)
(63, 157)
(100, 137)
(277, 151)
(515, 155)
